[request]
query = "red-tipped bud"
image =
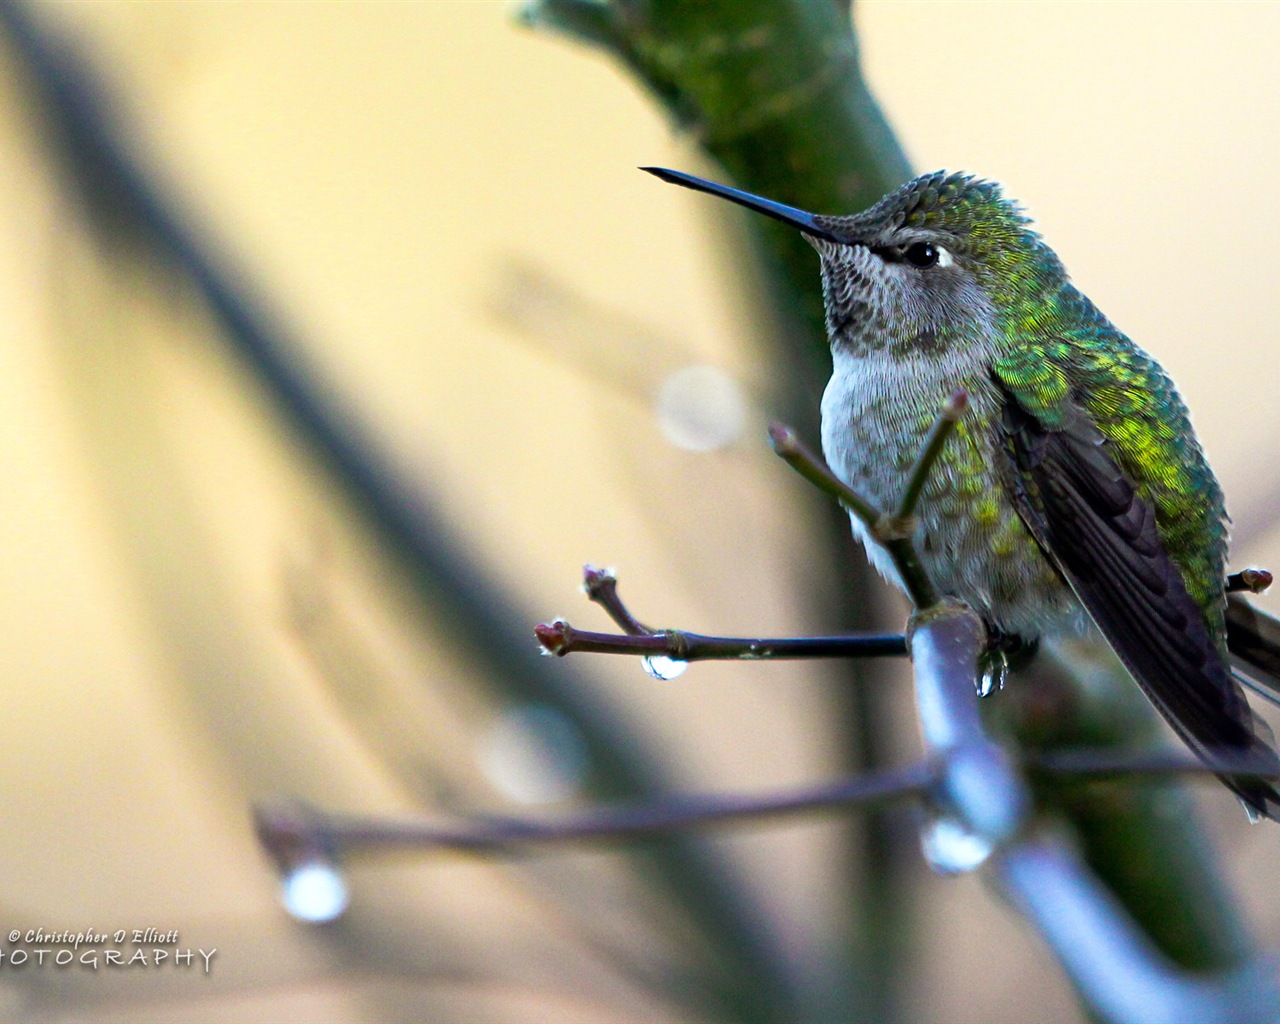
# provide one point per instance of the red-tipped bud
(553, 636)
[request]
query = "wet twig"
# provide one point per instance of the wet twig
(601, 586)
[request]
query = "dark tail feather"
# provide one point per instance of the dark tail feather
(1257, 793)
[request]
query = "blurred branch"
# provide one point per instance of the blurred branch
(288, 830)
(128, 205)
(285, 829)
(1093, 763)
(615, 351)
(589, 21)
(1116, 967)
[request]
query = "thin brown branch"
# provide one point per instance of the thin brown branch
(601, 587)
(560, 638)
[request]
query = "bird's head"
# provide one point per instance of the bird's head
(944, 260)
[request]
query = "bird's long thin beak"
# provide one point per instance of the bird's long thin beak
(806, 222)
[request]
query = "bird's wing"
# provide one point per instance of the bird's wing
(1088, 517)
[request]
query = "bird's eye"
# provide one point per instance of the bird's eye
(922, 255)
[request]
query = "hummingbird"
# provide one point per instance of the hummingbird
(1074, 488)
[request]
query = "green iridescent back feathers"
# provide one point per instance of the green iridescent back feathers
(1062, 350)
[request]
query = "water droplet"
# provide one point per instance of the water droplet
(701, 408)
(535, 754)
(951, 849)
(995, 673)
(663, 668)
(315, 891)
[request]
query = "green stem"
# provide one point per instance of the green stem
(796, 454)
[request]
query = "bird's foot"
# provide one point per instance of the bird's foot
(1004, 652)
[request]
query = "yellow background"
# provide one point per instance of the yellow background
(445, 206)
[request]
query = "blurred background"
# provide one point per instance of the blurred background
(563, 361)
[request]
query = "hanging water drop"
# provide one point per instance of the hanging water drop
(951, 849)
(315, 891)
(995, 672)
(663, 668)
